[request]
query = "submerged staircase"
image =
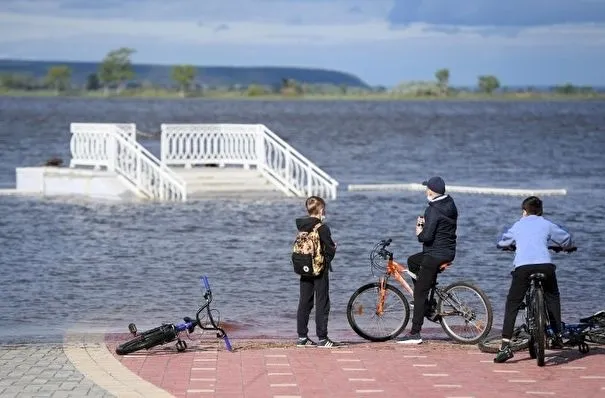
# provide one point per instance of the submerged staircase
(213, 182)
(201, 161)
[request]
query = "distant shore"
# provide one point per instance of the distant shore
(222, 95)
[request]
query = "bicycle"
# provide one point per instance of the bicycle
(590, 329)
(169, 332)
(533, 333)
(444, 310)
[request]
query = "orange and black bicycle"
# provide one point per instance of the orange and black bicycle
(379, 311)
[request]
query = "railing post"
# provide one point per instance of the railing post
(112, 151)
(309, 193)
(163, 146)
(139, 171)
(261, 161)
(288, 159)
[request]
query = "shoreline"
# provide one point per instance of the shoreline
(214, 96)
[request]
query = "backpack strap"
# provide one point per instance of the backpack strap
(316, 227)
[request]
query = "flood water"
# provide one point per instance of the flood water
(91, 265)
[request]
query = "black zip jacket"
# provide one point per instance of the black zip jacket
(438, 236)
(306, 224)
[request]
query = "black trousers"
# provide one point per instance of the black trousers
(516, 294)
(317, 288)
(426, 268)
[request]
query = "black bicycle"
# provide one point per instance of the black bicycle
(534, 333)
(167, 333)
(590, 330)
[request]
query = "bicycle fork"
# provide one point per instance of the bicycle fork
(382, 293)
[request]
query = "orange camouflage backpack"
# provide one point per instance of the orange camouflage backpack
(307, 258)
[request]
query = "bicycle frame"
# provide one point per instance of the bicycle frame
(172, 331)
(395, 269)
(529, 304)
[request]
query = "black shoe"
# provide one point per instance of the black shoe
(305, 342)
(556, 343)
(410, 339)
(504, 355)
(327, 343)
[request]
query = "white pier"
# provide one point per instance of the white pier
(196, 161)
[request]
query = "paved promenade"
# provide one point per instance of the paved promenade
(86, 366)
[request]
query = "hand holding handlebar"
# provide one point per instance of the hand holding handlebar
(554, 248)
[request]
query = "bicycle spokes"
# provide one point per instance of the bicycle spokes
(464, 312)
(379, 311)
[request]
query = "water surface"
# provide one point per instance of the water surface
(94, 265)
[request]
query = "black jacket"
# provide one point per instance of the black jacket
(306, 224)
(438, 236)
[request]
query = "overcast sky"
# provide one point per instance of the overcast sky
(382, 41)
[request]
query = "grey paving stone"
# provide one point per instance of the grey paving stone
(42, 371)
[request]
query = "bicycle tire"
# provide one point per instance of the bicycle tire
(540, 326)
(353, 311)
(519, 341)
(467, 314)
(147, 340)
(596, 336)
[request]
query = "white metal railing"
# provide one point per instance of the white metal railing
(89, 141)
(284, 163)
(247, 145)
(115, 148)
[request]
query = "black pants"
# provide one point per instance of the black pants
(516, 294)
(314, 288)
(426, 268)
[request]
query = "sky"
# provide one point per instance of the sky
(384, 42)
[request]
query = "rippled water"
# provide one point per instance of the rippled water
(89, 265)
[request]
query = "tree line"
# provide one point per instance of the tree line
(116, 71)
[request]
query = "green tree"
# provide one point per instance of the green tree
(566, 89)
(290, 87)
(488, 83)
(116, 68)
(92, 82)
(183, 75)
(443, 80)
(59, 77)
(18, 81)
(255, 90)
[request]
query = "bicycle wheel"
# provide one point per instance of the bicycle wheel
(518, 342)
(470, 306)
(364, 318)
(596, 336)
(148, 339)
(539, 332)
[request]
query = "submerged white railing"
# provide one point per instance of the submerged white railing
(246, 145)
(114, 147)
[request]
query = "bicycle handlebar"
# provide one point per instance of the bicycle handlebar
(556, 249)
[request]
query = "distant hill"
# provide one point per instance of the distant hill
(210, 75)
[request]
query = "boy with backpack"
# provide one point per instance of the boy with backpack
(312, 255)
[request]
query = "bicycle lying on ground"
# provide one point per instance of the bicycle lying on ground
(170, 332)
(372, 301)
(590, 329)
(536, 330)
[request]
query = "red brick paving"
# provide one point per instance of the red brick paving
(430, 370)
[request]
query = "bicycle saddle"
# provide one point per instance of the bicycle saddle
(539, 276)
(597, 318)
